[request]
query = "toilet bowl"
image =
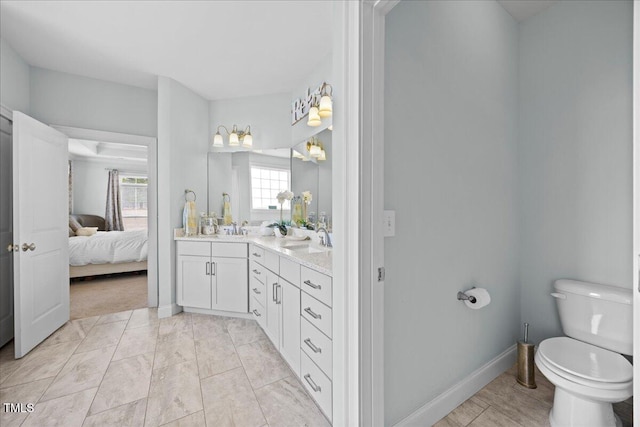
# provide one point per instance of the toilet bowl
(589, 373)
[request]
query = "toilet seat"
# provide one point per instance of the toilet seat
(585, 363)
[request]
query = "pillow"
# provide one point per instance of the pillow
(74, 224)
(86, 231)
(71, 232)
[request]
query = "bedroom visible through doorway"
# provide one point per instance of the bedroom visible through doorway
(108, 226)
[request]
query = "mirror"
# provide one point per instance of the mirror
(253, 178)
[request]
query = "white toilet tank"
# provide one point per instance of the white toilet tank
(597, 314)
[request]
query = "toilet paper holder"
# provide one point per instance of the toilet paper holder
(464, 297)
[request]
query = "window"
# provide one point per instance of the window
(133, 192)
(266, 183)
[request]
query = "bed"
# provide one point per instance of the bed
(106, 252)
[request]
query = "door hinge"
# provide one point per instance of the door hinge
(380, 274)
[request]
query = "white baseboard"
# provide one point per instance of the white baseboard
(439, 407)
(218, 312)
(168, 310)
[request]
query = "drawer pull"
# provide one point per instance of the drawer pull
(312, 314)
(274, 296)
(256, 271)
(207, 269)
(312, 346)
(313, 385)
(314, 286)
(256, 291)
(256, 313)
(256, 254)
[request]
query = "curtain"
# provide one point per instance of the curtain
(113, 214)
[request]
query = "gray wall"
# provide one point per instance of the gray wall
(451, 117)
(575, 150)
(183, 143)
(90, 183)
(14, 79)
(65, 99)
(268, 116)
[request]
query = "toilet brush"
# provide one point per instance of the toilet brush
(526, 367)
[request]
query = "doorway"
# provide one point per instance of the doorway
(125, 167)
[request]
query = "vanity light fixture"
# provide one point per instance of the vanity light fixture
(324, 108)
(326, 105)
(235, 137)
(315, 149)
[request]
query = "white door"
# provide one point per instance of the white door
(6, 235)
(232, 284)
(289, 299)
(40, 213)
(194, 281)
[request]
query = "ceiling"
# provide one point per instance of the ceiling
(220, 49)
(100, 150)
(525, 9)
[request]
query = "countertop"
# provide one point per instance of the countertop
(321, 262)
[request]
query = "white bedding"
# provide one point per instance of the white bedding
(108, 247)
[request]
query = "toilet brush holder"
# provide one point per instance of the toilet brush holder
(526, 367)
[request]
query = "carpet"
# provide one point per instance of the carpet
(108, 294)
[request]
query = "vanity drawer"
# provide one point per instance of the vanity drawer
(257, 290)
(194, 248)
(257, 254)
(318, 314)
(317, 284)
(290, 271)
(258, 272)
(257, 311)
(272, 261)
(318, 347)
(229, 250)
(317, 384)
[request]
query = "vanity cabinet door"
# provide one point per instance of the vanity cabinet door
(290, 329)
(194, 281)
(273, 309)
(232, 284)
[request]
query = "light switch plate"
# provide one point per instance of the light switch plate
(389, 226)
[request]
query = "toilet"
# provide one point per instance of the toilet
(587, 366)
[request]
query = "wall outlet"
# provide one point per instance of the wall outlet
(389, 226)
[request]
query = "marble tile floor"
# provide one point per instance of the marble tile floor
(133, 369)
(505, 403)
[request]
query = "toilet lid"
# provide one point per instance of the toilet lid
(586, 360)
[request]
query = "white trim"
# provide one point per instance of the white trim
(218, 312)
(446, 402)
(168, 310)
(6, 112)
(152, 192)
(636, 208)
(371, 216)
(346, 205)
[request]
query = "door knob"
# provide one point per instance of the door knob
(26, 247)
(13, 248)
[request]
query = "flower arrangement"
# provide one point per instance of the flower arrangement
(307, 197)
(282, 196)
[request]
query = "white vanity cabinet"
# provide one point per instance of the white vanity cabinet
(212, 275)
(282, 305)
(316, 368)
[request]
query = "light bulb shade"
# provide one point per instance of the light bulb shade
(233, 140)
(217, 140)
(315, 151)
(323, 155)
(247, 141)
(326, 107)
(314, 117)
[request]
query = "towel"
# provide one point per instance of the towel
(189, 219)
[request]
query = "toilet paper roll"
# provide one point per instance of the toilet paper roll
(482, 298)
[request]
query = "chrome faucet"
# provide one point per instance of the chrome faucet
(325, 240)
(235, 229)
